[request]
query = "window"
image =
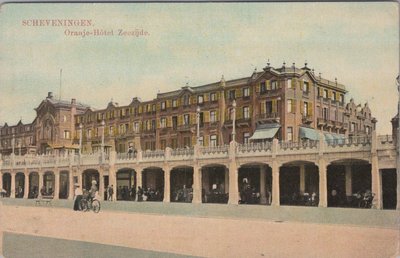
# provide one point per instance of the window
(174, 103)
(246, 92)
(112, 130)
(306, 87)
(325, 113)
(200, 99)
(290, 133)
(163, 144)
(232, 94)
(367, 129)
(213, 96)
(213, 116)
(274, 85)
(89, 133)
(201, 140)
(163, 105)
(122, 129)
(174, 122)
(263, 89)
(325, 96)
(30, 140)
(333, 96)
(213, 140)
(186, 141)
(153, 107)
(136, 127)
(246, 112)
(289, 106)
(268, 107)
(174, 143)
(67, 134)
(305, 109)
(246, 137)
(352, 127)
(341, 98)
(319, 92)
(289, 83)
(153, 125)
(64, 118)
(163, 122)
(186, 100)
(186, 119)
(201, 119)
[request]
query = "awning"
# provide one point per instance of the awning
(266, 132)
(329, 137)
(309, 133)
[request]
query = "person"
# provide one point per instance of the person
(77, 197)
(43, 191)
(110, 192)
(140, 194)
(93, 190)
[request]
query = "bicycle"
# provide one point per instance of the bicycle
(87, 204)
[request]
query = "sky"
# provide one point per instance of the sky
(194, 43)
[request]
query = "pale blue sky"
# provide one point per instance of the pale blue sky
(196, 43)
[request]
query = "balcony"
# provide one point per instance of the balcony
(307, 119)
(268, 117)
(184, 128)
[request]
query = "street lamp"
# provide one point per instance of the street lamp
(80, 138)
(234, 121)
(198, 125)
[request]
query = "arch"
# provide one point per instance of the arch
(255, 183)
(19, 185)
(33, 185)
(126, 184)
(181, 184)
(299, 183)
(7, 184)
(347, 179)
(89, 175)
(252, 164)
(215, 183)
(64, 184)
(153, 184)
(48, 184)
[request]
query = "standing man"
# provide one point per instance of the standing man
(110, 192)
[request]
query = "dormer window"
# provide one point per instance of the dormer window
(200, 99)
(263, 89)
(232, 94)
(246, 92)
(163, 105)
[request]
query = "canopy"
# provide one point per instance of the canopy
(309, 133)
(265, 132)
(329, 137)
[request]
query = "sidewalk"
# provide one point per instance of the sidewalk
(342, 216)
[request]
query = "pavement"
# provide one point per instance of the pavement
(128, 229)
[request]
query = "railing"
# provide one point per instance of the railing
(182, 152)
(126, 156)
(350, 141)
(267, 115)
(254, 147)
(157, 154)
(307, 144)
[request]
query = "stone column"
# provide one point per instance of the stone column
(101, 183)
(40, 175)
(1, 183)
(376, 183)
(275, 184)
(263, 193)
(233, 184)
(323, 192)
(349, 190)
(302, 178)
(196, 184)
(112, 175)
(70, 185)
(226, 181)
(80, 183)
(139, 180)
(167, 173)
(26, 185)
(12, 195)
(56, 184)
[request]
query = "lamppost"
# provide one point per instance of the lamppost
(198, 125)
(234, 121)
(80, 138)
(102, 140)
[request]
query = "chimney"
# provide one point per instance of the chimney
(50, 95)
(73, 101)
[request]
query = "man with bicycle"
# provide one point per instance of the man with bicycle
(92, 191)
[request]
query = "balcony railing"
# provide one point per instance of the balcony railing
(267, 116)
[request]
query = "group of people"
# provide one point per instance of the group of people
(183, 194)
(149, 194)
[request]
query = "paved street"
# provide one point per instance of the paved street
(174, 234)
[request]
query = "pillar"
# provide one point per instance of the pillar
(56, 184)
(70, 185)
(1, 184)
(275, 184)
(196, 185)
(26, 185)
(302, 178)
(226, 181)
(323, 192)
(40, 175)
(113, 181)
(80, 183)
(139, 180)
(233, 184)
(263, 193)
(12, 195)
(376, 183)
(167, 183)
(348, 176)
(101, 183)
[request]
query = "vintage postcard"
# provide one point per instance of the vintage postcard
(262, 129)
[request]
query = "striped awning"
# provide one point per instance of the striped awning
(308, 133)
(266, 132)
